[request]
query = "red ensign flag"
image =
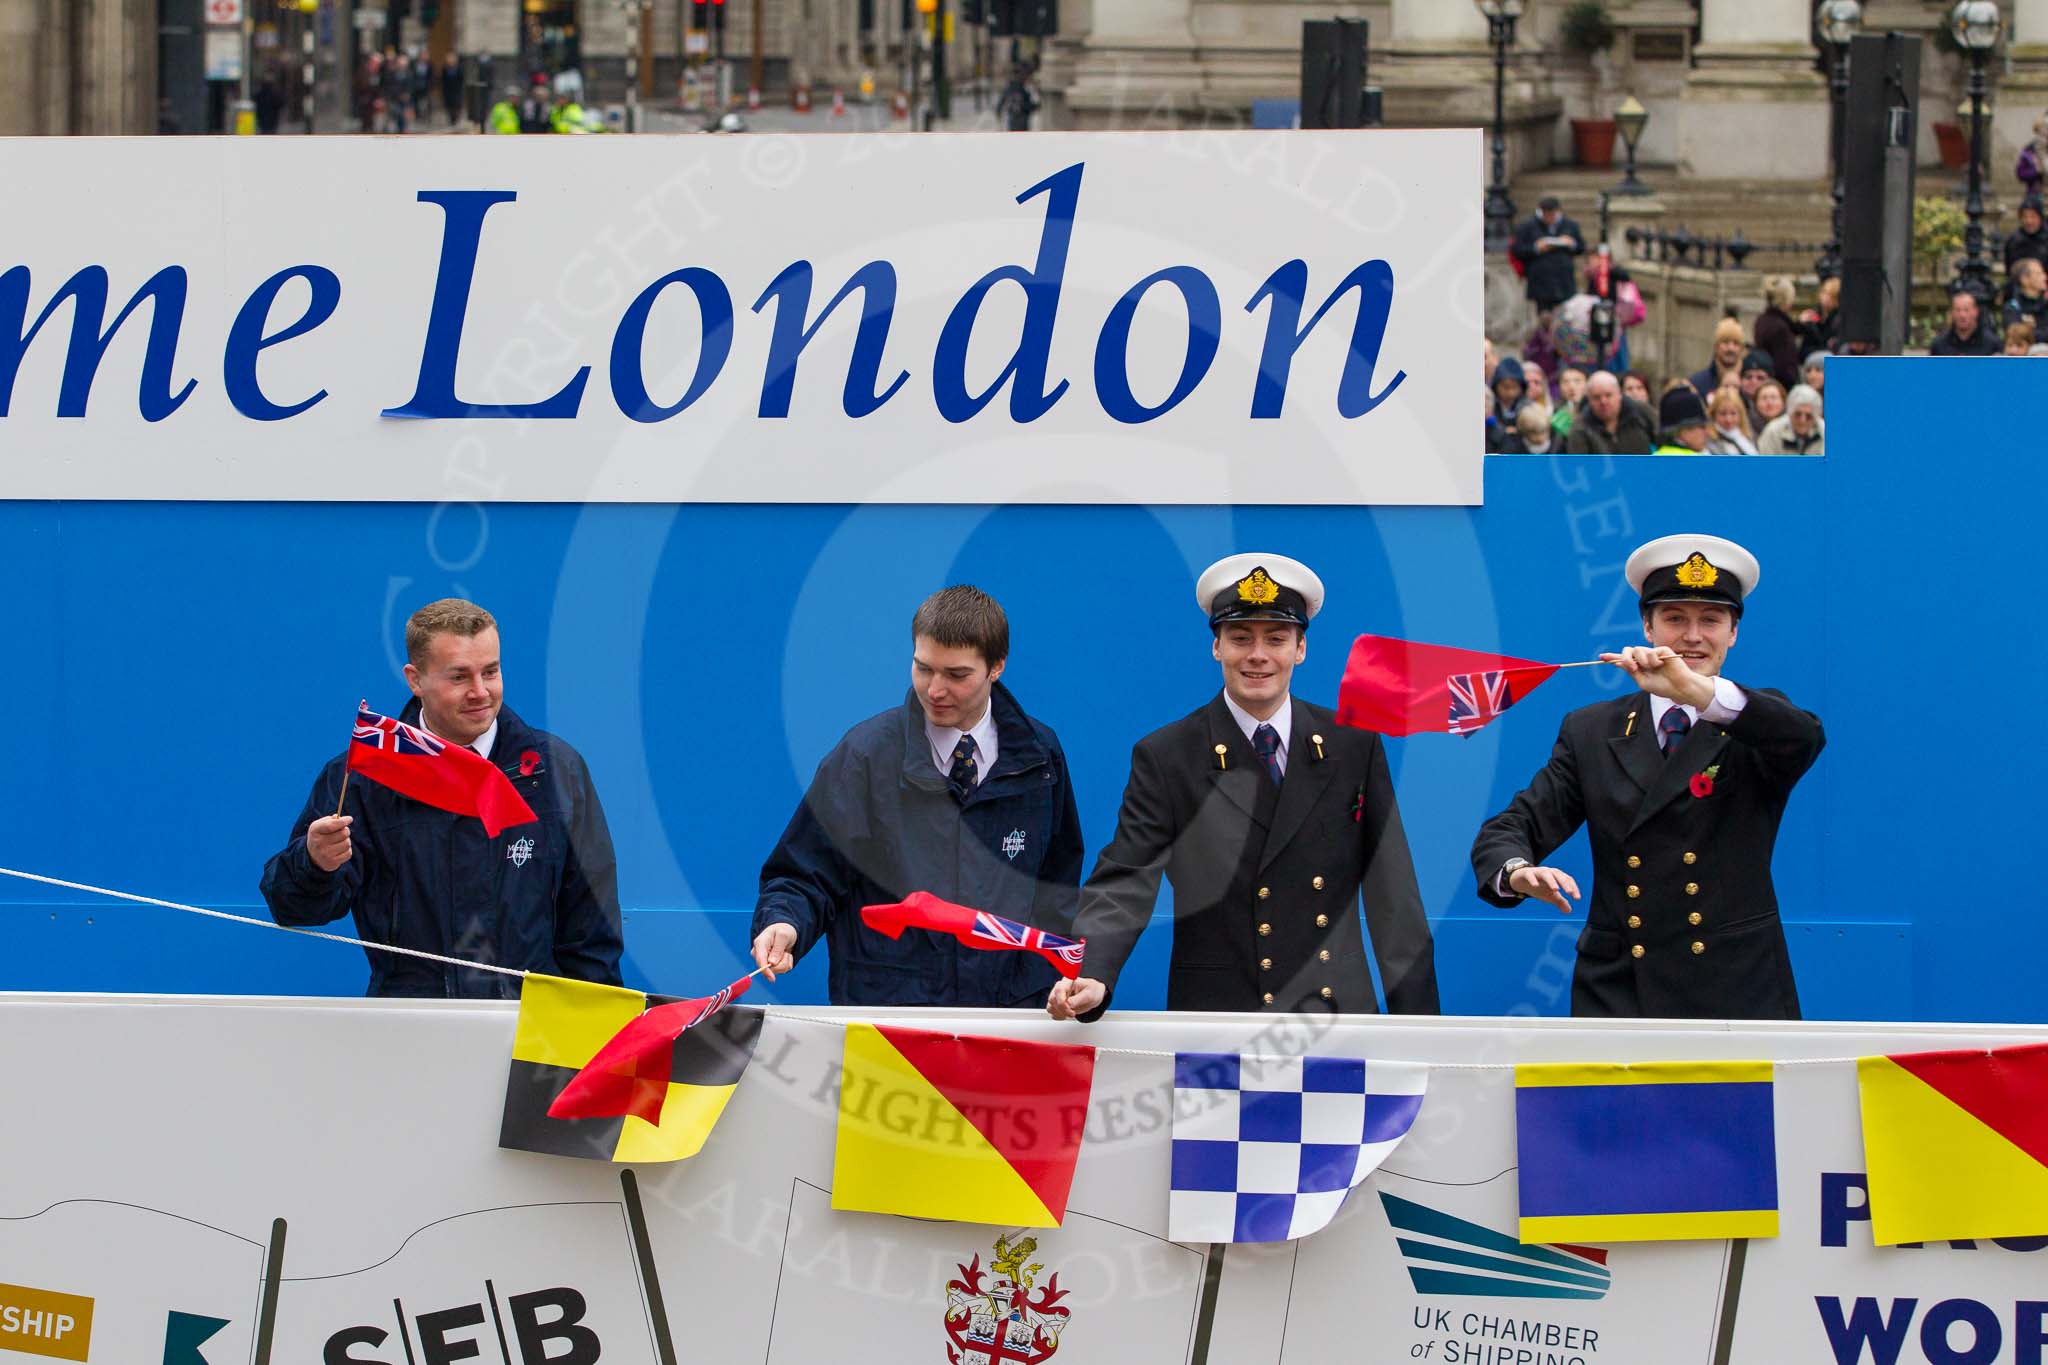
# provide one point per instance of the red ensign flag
(452, 777)
(1399, 687)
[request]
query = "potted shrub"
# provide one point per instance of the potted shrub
(1586, 30)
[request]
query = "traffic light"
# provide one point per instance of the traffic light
(700, 15)
(718, 15)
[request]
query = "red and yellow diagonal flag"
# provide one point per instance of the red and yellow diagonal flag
(1956, 1144)
(975, 1130)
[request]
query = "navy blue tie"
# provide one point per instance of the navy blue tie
(1672, 730)
(1267, 741)
(961, 778)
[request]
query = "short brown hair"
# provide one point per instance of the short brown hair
(449, 616)
(964, 617)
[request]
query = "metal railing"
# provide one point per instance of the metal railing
(1708, 252)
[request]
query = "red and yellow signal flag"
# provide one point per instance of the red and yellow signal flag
(975, 1130)
(632, 1095)
(1956, 1144)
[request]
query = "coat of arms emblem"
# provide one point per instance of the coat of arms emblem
(519, 850)
(1001, 1316)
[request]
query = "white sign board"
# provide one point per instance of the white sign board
(1070, 318)
(320, 1180)
(224, 11)
(223, 63)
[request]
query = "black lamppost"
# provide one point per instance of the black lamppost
(1976, 26)
(1629, 118)
(1500, 30)
(1837, 21)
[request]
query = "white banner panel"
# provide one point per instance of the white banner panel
(214, 1182)
(975, 318)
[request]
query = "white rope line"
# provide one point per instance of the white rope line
(787, 1016)
(259, 923)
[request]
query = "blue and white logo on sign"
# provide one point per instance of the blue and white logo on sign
(1013, 844)
(519, 850)
(1447, 1255)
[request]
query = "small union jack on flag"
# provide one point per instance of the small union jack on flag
(1477, 699)
(975, 928)
(450, 777)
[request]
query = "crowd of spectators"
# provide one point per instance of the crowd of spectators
(1572, 389)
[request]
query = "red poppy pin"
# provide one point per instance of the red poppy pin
(1703, 781)
(1358, 807)
(529, 764)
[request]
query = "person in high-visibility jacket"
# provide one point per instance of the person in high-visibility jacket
(504, 116)
(568, 116)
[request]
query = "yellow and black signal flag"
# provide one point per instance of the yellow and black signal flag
(563, 1024)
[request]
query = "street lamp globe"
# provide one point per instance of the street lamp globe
(1976, 24)
(1838, 21)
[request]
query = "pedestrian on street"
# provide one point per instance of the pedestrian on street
(1019, 100)
(1682, 421)
(451, 87)
(269, 103)
(1609, 422)
(1730, 416)
(1547, 246)
(1966, 334)
(1725, 367)
(1800, 431)
(1777, 335)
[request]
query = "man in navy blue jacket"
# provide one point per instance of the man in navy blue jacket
(540, 897)
(956, 792)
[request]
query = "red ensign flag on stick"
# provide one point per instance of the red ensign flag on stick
(1399, 687)
(452, 777)
(975, 928)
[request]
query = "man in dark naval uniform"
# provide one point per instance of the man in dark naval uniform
(1681, 787)
(1269, 819)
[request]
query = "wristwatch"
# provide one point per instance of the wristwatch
(1507, 874)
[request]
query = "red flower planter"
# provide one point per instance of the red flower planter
(1593, 141)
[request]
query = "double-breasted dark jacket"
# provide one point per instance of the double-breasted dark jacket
(1683, 919)
(1266, 879)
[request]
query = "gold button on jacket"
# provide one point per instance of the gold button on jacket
(1634, 861)
(1692, 888)
(1635, 921)
(1322, 921)
(1634, 891)
(1693, 918)
(1317, 883)
(1264, 930)
(1698, 947)
(1691, 858)
(1328, 994)
(1636, 951)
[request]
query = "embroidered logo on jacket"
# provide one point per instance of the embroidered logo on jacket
(1013, 844)
(519, 850)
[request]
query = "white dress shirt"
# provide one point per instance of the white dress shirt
(1282, 723)
(482, 743)
(1726, 706)
(944, 738)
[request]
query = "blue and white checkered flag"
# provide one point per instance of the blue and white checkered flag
(1266, 1148)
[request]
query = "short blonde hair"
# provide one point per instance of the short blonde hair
(1532, 422)
(449, 616)
(1778, 291)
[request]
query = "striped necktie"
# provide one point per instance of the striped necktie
(1672, 730)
